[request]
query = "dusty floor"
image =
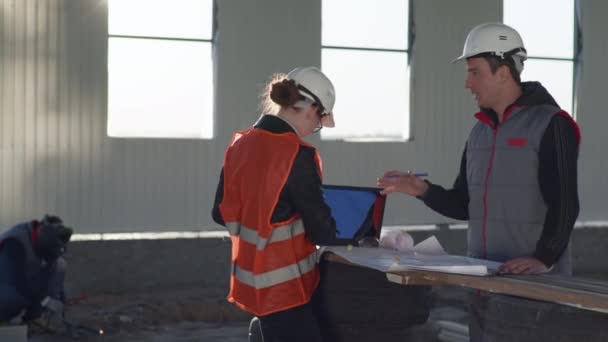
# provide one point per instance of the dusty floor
(181, 332)
(182, 316)
(191, 315)
(187, 315)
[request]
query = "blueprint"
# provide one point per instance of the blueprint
(427, 255)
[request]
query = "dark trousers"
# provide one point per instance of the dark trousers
(299, 324)
(50, 282)
(11, 302)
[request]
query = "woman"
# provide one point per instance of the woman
(269, 197)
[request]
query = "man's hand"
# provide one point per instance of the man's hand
(53, 305)
(404, 182)
(523, 265)
(52, 316)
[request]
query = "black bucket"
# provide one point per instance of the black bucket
(359, 304)
(498, 318)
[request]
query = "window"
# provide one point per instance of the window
(365, 54)
(160, 68)
(548, 30)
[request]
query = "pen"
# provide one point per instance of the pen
(419, 174)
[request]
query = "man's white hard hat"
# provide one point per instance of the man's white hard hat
(497, 39)
(316, 87)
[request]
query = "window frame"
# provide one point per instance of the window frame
(211, 41)
(406, 136)
(576, 54)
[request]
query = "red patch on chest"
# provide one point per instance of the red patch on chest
(518, 142)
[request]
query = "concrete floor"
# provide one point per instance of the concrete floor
(184, 317)
(181, 332)
(180, 317)
(237, 331)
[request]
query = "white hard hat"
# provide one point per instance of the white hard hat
(315, 86)
(497, 39)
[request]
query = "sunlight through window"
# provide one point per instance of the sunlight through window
(549, 40)
(160, 69)
(365, 54)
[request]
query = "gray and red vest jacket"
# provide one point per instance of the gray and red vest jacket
(506, 207)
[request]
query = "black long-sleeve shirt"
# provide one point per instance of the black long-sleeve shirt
(557, 174)
(301, 194)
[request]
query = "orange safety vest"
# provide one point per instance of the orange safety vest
(274, 266)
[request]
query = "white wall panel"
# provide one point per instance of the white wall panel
(55, 156)
(592, 114)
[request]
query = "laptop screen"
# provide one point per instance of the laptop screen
(358, 211)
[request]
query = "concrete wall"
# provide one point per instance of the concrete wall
(55, 156)
(124, 266)
(130, 266)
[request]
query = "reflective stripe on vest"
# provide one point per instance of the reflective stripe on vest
(273, 263)
(281, 275)
(278, 234)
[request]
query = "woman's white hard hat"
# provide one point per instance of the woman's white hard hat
(317, 88)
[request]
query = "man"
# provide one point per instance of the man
(32, 271)
(517, 184)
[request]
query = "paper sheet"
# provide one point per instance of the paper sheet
(427, 255)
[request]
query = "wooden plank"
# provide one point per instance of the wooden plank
(580, 293)
(336, 258)
(508, 285)
(592, 285)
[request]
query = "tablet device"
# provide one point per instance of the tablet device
(358, 211)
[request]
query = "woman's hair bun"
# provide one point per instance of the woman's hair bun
(285, 93)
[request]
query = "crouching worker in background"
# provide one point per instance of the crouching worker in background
(32, 271)
(269, 197)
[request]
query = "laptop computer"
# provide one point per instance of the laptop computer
(358, 211)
